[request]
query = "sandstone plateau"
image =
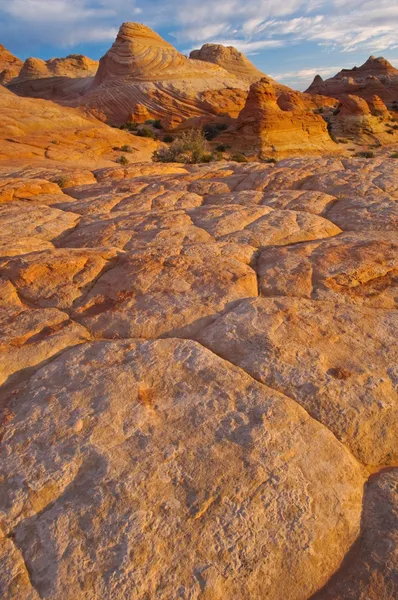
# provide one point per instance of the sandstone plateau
(198, 362)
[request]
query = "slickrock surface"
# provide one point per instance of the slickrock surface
(375, 76)
(39, 130)
(199, 380)
(369, 571)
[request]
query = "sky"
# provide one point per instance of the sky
(290, 40)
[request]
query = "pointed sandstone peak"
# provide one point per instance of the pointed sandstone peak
(377, 66)
(139, 53)
(230, 59)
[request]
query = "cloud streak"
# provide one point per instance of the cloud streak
(253, 25)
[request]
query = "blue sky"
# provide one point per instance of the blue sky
(290, 40)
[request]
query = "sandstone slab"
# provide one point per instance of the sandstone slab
(337, 361)
(150, 468)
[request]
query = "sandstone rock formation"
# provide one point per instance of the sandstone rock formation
(364, 122)
(63, 80)
(10, 65)
(230, 59)
(199, 368)
(38, 129)
(142, 68)
(73, 66)
(270, 126)
(375, 76)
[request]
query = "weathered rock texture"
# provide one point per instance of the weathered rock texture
(142, 68)
(10, 65)
(38, 129)
(199, 375)
(364, 122)
(270, 126)
(230, 59)
(375, 76)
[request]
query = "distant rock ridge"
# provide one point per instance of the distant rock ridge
(74, 66)
(230, 59)
(375, 76)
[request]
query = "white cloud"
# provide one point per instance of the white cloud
(253, 25)
(306, 74)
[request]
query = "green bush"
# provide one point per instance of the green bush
(190, 147)
(154, 122)
(394, 155)
(342, 141)
(129, 126)
(146, 133)
(168, 139)
(270, 160)
(390, 131)
(222, 148)
(239, 157)
(366, 154)
(213, 129)
(126, 148)
(122, 160)
(61, 181)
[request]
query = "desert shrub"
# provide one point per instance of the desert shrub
(365, 154)
(390, 131)
(146, 133)
(239, 157)
(270, 160)
(221, 148)
(154, 122)
(319, 111)
(213, 129)
(168, 139)
(206, 158)
(336, 111)
(342, 141)
(122, 160)
(61, 181)
(54, 141)
(129, 126)
(126, 148)
(394, 155)
(190, 147)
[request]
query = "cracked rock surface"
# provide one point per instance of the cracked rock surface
(199, 381)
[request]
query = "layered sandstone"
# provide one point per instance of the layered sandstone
(142, 68)
(73, 66)
(10, 65)
(230, 59)
(38, 129)
(364, 122)
(270, 126)
(375, 76)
